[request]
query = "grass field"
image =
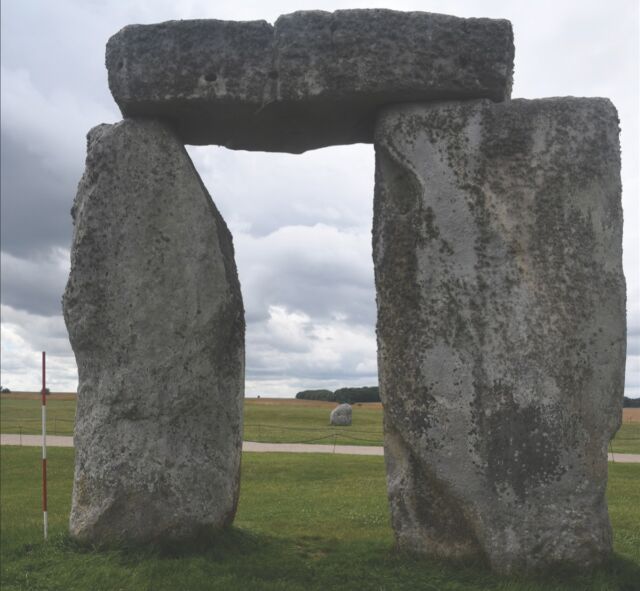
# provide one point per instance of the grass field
(304, 523)
(266, 420)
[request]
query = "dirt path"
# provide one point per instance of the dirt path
(358, 450)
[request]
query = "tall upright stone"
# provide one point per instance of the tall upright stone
(156, 322)
(501, 326)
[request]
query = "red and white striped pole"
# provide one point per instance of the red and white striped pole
(44, 444)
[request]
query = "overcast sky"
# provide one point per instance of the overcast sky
(301, 224)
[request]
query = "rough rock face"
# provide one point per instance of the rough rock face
(501, 326)
(341, 415)
(155, 318)
(314, 79)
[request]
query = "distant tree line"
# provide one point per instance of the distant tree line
(348, 395)
(372, 394)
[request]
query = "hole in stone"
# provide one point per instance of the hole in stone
(211, 77)
(301, 227)
(120, 65)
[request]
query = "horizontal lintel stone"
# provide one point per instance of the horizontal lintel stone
(313, 79)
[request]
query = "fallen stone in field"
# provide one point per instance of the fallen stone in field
(341, 415)
(501, 326)
(156, 322)
(313, 79)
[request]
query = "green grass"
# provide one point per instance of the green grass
(284, 422)
(19, 414)
(304, 523)
(627, 440)
(288, 422)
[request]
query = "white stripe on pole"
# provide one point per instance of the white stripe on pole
(44, 446)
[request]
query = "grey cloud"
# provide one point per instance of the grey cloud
(35, 284)
(260, 193)
(35, 203)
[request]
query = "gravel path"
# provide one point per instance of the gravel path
(359, 450)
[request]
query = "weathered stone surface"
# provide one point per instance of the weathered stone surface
(156, 321)
(314, 79)
(501, 326)
(341, 415)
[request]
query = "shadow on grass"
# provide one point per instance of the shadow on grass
(212, 544)
(247, 560)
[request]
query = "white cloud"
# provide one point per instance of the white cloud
(320, 269)
(24, 337)
(258, 192)
(290, 352)
(632, 381)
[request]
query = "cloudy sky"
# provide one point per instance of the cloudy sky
(301, 224)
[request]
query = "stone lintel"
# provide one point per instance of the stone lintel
(313, 79)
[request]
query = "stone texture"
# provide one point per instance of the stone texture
(501, 326)
(341, 415)
(314, 79)
(155, 318)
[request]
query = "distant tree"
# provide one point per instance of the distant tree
(4, 390)
(631, 402)
(325, 395)
(353, 395)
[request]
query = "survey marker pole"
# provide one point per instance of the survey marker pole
(44, 443)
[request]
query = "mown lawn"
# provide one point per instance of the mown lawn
(627, 440)
(282, 422)
(285, 421)
(20, 414)
(290, 421)
(307, 523)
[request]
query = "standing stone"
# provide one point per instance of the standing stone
(156, 322)
(313, 79)
(341, 415)
(501, 326)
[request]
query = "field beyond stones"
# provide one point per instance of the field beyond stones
(269, 420)
(305, 522)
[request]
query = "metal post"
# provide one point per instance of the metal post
(44, 445)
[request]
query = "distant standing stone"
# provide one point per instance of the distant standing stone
(156, 322)
(341, 415)
(501, 326)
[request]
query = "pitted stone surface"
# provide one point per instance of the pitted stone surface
(313, 79)
(501, 326)
(341, 415)
(155, 318)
